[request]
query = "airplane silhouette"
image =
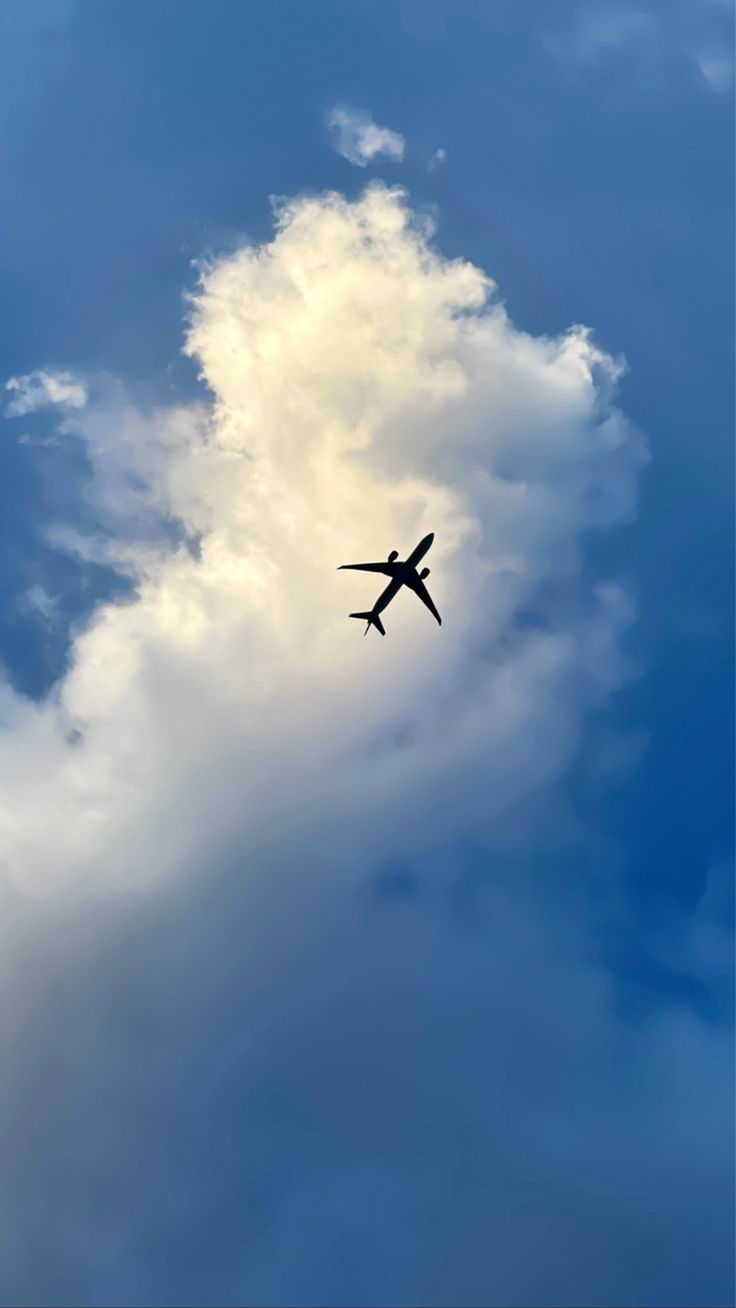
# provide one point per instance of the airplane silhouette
(401, 574)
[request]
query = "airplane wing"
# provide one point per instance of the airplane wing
(419, 588)
(388, 569)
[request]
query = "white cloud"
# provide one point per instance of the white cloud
(203, 803)
(43, 389)
(436, 159)
(364, 393)
(358, 139)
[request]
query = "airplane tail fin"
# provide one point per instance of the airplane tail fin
(372, 619)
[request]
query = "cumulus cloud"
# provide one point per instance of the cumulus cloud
(365, 391)
(358, 139)
(43, 389)
(239, 820)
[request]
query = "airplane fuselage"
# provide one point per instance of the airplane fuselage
(393, 588)
(419, 552)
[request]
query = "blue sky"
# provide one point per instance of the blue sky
(435, 1006)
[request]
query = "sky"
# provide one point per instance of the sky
(341, 970)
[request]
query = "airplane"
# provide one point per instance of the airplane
(401, 574)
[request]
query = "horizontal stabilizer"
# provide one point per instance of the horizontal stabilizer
(372, 619)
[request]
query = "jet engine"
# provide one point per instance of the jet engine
(424, 573)
(393, 555)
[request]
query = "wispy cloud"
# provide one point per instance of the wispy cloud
(43, 389)
(437, 159)
(43, 442)
(359, 139)
(609, 28)
(37, 601)
(717, 67)
(652, 42)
